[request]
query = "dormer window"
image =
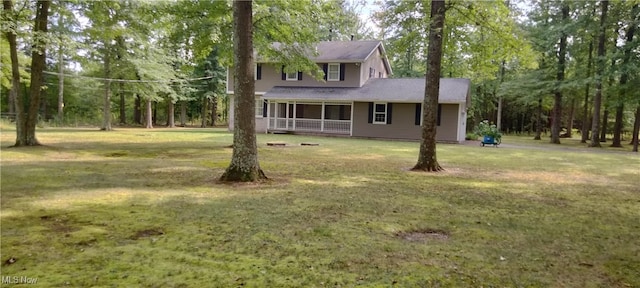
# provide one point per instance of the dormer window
(333, 72)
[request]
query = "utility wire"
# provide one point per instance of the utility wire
(121, 80)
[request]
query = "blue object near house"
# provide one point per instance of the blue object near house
(490, 140)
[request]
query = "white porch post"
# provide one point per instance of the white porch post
(268, 115)
(353, 106)
(286, 116)
(294, 115)
(322, 118)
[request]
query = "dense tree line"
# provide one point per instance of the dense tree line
(537, 66)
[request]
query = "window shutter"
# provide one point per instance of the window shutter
(389, 111)
(325, 68)
(284, 75)
(439, 114)
(342, 68)
(418, 113)
(299, 75)
(264, 108)
(259, 72)
(370, 112)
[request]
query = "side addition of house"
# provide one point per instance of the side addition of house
(355, 98)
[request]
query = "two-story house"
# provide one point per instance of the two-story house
(355, 98)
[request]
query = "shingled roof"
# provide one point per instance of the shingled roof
(407, 90)
(342, 52)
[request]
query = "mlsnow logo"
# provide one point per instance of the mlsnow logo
(19, 280)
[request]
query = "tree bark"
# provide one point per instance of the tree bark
(203, 112)
(27, 134)
(636, 130)
(538, 135)
(244, 166)
(556, 119)
(585, 110)
(16, 104)
(427, 160)
(605, 122)
(572, 110)
(149, 114)
(60, 74)
(214, 111)
(183, 113)
(171, 122)
(597, 99)
(617, 130)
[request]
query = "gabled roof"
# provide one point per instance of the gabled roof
(407, 90)
(344, 52)
(352, 51)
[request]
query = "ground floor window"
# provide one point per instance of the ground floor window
(380, 113)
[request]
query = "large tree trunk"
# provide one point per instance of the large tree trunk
(617, 130)
(171, 122)
(605, 123)
(38, 58)
(16, 104)
(60, 74)
(244, 166)
(427, 160)
(106, 105)
(149, 114)
(557, 105)
(585, 110)
(183, 113)
(538, 135)
(214, 111)
(597, 99)
(572, 110)
(203, 112)
(617, 127)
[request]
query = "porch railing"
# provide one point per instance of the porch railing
(311, 125)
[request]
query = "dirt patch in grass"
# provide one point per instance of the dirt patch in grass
(423, 235)
(58, 224)
(147, 233)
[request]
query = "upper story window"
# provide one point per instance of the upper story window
(333, 72)
(293, 76)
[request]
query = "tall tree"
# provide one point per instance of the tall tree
(624, 77)
(15, 104)
(600, 66)
(556, 119)
(427, 160)
(26, 122)
(244, 166)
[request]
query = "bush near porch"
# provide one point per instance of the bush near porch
(141, 208)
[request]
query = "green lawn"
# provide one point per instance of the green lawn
(142, 208)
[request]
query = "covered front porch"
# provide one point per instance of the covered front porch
(310, 116)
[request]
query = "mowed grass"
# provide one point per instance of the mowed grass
(142, 208)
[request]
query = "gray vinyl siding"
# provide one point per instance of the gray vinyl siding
(272, 76)
(375, 62)
(403, 123)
